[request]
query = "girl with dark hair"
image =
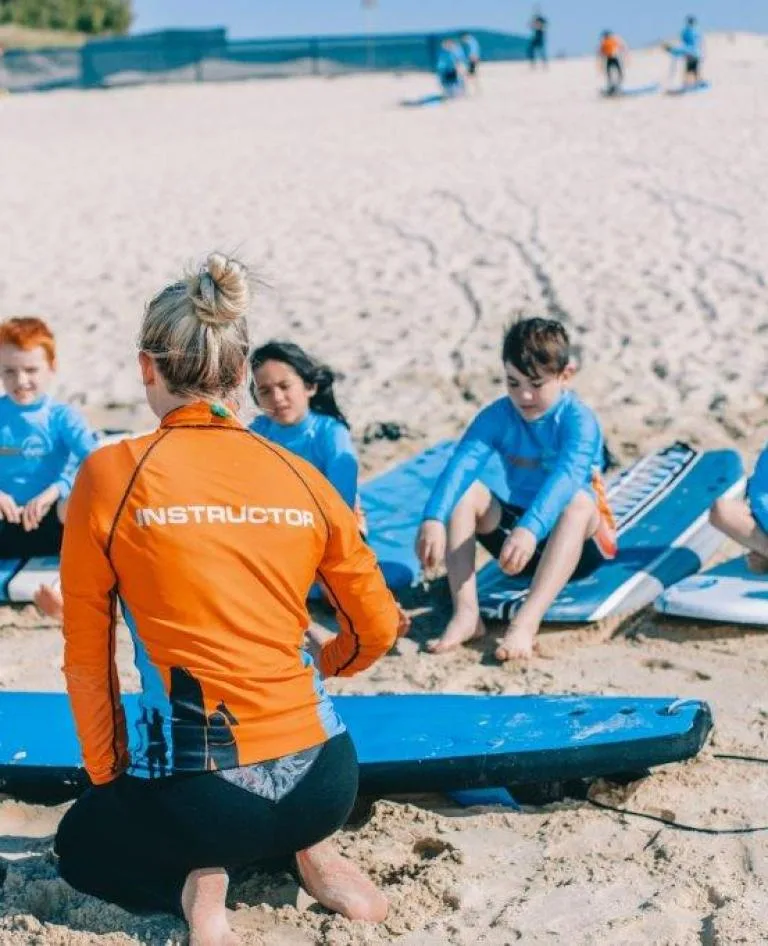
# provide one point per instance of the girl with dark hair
(295, 392)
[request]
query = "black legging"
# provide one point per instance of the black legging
(134, 841)
(614, 72)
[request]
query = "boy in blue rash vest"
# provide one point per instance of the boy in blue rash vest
(746, 520)
(689, 50)
(301, 414)
(42, 442)
(471, 50)
(450, 68)
(553, 518)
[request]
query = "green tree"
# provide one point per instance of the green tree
(85, 16)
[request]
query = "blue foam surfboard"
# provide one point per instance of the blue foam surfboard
(425, 100)
(419, 742)
(688, 89)
(632, 91)
(661, 506)
(8, 568)
(729, 593)
(394, 502)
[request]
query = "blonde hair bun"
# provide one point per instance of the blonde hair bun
(220, 291)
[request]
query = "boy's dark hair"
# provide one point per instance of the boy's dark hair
(310, 371)
(537, 345)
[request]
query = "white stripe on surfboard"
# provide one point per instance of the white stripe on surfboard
(680, 542)
(645, 505)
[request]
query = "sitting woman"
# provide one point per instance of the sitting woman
(209, 538)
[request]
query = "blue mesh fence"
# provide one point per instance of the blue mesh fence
(207, 55)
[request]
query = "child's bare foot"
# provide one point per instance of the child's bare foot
(757, 563)
(461, 629)
(48, 599)
(518, 642)
(403, 622)
(203, 902)
(339, 885)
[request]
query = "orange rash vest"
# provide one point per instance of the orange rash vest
(209, 537)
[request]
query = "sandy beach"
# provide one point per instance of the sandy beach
(397, 243)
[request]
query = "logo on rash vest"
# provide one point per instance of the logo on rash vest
(225, 515)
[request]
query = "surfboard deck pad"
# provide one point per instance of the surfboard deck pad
(416, 742)
(661, 506)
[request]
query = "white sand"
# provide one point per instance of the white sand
(397, 243)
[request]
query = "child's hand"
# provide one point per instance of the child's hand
(430, 545)
(9, 510)
(35, 510)
(517, 551)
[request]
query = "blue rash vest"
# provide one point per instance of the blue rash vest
(546, 461)
(757, 491)
(322, 441)
(471, 48)
(41, 445)
(448, 61)
(690, 38)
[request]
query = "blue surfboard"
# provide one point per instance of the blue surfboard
(688, 89)
(394, 502)
(425, 100)
(418, 742)
(632, 91)
(729, 593)
(661, 507)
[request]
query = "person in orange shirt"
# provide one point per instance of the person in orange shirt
(209, 537)
(611, 53)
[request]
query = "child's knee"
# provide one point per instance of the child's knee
(580, 508)
(721, 513)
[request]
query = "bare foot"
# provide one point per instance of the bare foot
(461, 629)
(517, 643)
(48, 599)
(203, 902)
(403, 622)
(339, 885)
(757, 563)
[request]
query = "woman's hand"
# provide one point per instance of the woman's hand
(517, 551)
(36, 509)
(9, 511)
(431, 544)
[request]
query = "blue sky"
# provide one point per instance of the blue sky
(575, 23)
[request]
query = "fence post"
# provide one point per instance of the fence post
(431, 51)
(314, 55)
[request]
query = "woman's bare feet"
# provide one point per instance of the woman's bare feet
(339, 885)
(203, 901)
(48, 599)
(518, 643)
(461, 629)
(757, 563)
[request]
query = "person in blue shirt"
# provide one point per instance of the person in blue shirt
(42, 443)
(451, 67)
(471, 50)
(300, 412)
(746, 520)
(295, 393)
(553, 518)
(689, 50)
